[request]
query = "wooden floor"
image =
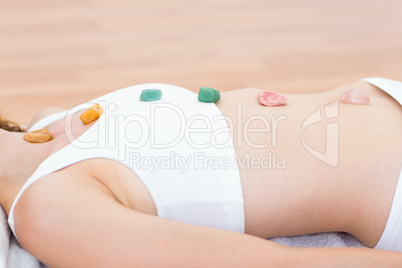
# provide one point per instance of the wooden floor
(59, 53)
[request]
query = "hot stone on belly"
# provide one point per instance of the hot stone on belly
(355, 96)
(271, 99)
(208, 94)
(150, 94)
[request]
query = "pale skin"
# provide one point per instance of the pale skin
(98, 213)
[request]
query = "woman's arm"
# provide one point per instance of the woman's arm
(42, 114)
(76, 222)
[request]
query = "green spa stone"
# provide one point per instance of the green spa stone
(150, 94)
(208, 94)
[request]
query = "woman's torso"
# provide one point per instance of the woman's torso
(365, 135)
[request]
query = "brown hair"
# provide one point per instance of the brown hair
(9, 125)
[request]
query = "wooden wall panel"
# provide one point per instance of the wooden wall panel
(58, 53)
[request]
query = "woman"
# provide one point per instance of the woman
(90, 197)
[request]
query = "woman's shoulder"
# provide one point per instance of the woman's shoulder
(66, 213)
(49, 198)
(85, 181)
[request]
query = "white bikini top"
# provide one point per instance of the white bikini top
(166, 142)
(392, 87)
(391, 238)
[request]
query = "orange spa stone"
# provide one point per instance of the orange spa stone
(38, 136)
(91, 114)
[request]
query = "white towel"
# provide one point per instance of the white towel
(12, 255)
(319, 240)
(4, 239)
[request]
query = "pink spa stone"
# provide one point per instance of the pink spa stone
(271, 99)
(355, 96)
